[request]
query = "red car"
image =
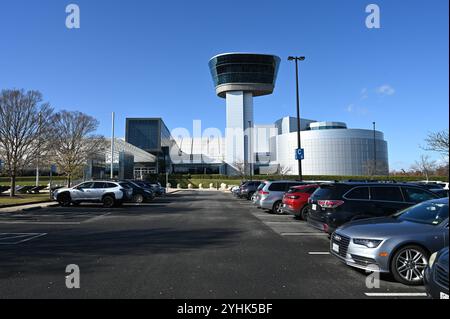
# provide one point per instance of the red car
(295, 201)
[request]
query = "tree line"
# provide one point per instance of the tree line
(33, 134)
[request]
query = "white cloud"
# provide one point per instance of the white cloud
(350, 108)
(385, 89)
(364, 94)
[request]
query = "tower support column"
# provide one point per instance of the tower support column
(239, 109)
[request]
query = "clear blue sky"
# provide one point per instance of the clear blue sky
(149, 59)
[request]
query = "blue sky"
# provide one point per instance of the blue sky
(149, 58)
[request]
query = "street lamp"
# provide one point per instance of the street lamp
(299, 143)
(250, 149)
(374, 151)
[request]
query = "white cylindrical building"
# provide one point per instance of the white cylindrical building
(333, 149)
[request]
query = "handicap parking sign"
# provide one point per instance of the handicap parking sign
(299, 154)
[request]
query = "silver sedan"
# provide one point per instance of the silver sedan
(400, 244)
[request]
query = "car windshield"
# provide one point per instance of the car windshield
(431, 213)
(125, 185)
(297, 190)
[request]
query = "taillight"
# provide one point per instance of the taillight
(263, 193)
(330, 203)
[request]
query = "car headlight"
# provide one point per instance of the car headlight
(432, 259)
(369, 243)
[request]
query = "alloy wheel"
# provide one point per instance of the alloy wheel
(138, 198)
(410, 265)
(108, 202)
(278, 208)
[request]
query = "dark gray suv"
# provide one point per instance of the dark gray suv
(247, 189)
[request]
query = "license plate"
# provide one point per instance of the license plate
(444, 295)
(336, 247)
(314, 206)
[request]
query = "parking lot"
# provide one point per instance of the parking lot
(190, 244)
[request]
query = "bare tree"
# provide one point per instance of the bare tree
(425, 166)
(438, 142)
(240, 168)
(24, 120)
(283, 170)
(372, 168)
(75, 142)
(369, 168)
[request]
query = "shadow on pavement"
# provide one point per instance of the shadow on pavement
(57, 250)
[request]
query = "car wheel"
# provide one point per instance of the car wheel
(108, 201)
(138, 198)
(304, 213)
(408, 265)
(278, 207)
(250, 196)
(64, 200)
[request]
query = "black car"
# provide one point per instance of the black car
(248, 189)
(334, 204)
(140, 194)
(436, 275)
(156, 187)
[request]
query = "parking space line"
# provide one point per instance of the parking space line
(40, 223)
(281, 223)
(303, 234)
(395, 294)
(268, 215)
(17, 235)
(319, 253)
(20, 235)
(93, 219)
(43, 222)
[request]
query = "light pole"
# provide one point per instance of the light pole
(39, 148)
(112, 146)
(250, 149)
(299, 142)
(374, 151)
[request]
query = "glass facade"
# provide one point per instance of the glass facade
(244, 68)
(143, 133)
(326, 128)
(153, 136)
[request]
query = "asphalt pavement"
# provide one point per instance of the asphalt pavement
(191, 244)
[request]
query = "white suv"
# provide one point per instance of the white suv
(106, 192)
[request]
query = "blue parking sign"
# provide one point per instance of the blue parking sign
(299, 154)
